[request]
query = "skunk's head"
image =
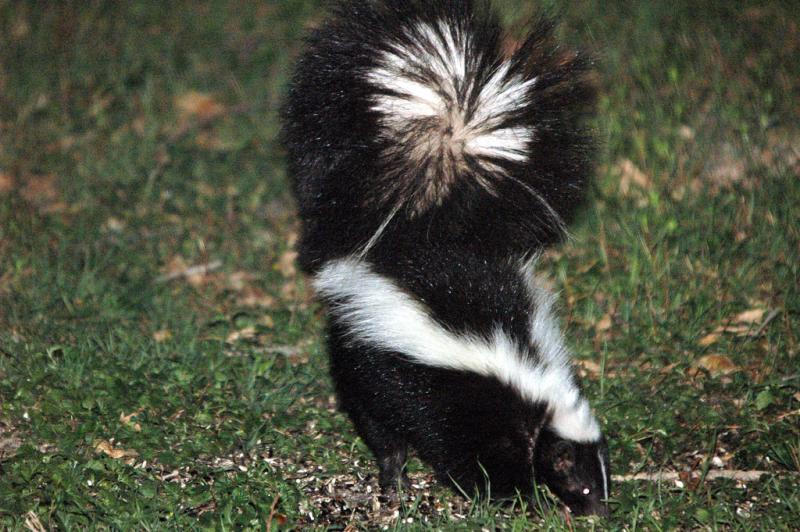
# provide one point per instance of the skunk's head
(577, 472)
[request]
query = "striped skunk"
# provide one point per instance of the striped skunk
(430, 169)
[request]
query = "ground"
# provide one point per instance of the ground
(160, 356)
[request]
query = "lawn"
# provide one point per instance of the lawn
(161, 362)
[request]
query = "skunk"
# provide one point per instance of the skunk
(430, 169)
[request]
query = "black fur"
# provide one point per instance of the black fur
(457, 254)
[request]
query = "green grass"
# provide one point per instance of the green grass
(129, 400)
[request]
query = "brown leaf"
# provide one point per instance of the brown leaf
(248, 333)
(105, 447)
(126, 419)
(254, 297)
(40, 189)
(739, 330)
(604, 324)
(237, 281)
(197, 275)
(630, 174)
(709, 339)
(716, 365)
(162, 335)
(9, 446)
(589, 367)
(750, 316)
(199, 105)
(286, 264)
(6, 183)
(797, 397)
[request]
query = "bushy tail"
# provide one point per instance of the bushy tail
(430, 109)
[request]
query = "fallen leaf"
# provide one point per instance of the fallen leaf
(604, 324)
(40, 189)
(286, 264)
(105, 447)
(289, 291)
(197, 275)
(32, 522)
(254, 297)
(6, 183)
(708, 339)
(9, 446)
(750, 316)
(237, 281)
(590, 367)
(740, 330)
(126, 419)
(797, 397)
(716, 365)
(630, 174)
(247, 333)
(267, 321)
(162, 335)
(114, 225)
(197, 104)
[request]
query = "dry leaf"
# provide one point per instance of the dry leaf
(32, 522)
(40, 189)
(114, 225)
(247, 333)
(126, 419)
(604, 324)
(197, 275)
(162, 335)
(6, 183)
(750, 316)
(237, 281)
(286, 264)
(630, 174)
(740, 330)
(105, 447)
(590, 367)
(42, 192)
(267, 321)
(197, 104)
(709, 339)
(255, 297)
(797, 397)
(289, 291)
(716, 365)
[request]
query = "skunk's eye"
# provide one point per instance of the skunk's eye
(586, 491)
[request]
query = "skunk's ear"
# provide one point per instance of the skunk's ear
(563, 457)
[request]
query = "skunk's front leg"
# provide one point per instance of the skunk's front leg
(390, 452)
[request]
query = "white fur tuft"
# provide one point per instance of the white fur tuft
(432, 101)
(378, 313)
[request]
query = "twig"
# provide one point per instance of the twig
(666, 476)
(788, 414)
(199, 269)
(272, 512)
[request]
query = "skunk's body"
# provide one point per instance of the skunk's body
(428, 170)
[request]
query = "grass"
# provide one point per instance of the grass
(139, 139)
